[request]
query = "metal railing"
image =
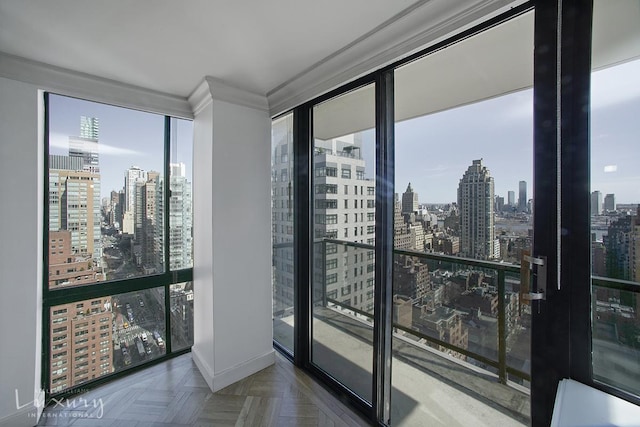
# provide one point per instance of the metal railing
(501, 269)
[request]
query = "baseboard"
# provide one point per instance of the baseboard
(220, 380)
(27, 416)
(203, 367)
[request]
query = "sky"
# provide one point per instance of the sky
(126, 138)
(432, 152)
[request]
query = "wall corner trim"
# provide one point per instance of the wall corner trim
(212, 88)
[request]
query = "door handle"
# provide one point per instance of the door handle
(540, 273)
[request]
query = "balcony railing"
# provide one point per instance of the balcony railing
(502, 270)
(616, 324)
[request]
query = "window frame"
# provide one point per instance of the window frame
(56, 297)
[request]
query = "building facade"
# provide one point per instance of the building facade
(475, 201)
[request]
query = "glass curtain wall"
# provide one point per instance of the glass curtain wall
(615, 198)
(343, 232)
(462, 224)
(112, 226)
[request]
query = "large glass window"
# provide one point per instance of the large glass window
(342, 293)
(462, 222)
(615, 200)
(112, 217)
(282, 226)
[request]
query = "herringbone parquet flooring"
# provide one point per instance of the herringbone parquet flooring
(174, 393)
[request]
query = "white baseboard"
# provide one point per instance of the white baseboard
(220, 380)
(24, 417)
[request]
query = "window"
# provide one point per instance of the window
(346, 173)
(326, 204)
(326, 189)
(371, 191)
(371, 204)
(282, 250)
(332, 278)
(119, 211)
(332, 264)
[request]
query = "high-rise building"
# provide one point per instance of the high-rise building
(511, 198)
(499, 203)
(409, 200)
(522, 196)
(622, 248)
(596, 203)
(475, 201)
(610, 202)
(85, 146)
(133, 178)
(74, 205)
(151, 227)
(344, 209)
(89, 127)
(81, 342)
(180, 219)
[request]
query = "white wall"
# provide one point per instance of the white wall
(232, 266)
(20, 251)
(232, 277)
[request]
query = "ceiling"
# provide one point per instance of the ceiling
(169, 46)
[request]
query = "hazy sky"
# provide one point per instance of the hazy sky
(433, 152)
(126, 138)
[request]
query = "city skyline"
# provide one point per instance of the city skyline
(126, 138)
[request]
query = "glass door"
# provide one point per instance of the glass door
(343, 232)
(615, 196)
(463, 224)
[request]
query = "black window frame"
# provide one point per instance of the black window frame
(55, 297)
(562, 68)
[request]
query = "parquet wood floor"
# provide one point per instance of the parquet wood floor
(174, 393)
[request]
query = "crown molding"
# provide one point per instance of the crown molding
(212, 88)
(72, 83)
(425, 23)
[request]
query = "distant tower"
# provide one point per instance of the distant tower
(511, 198)
(596, 203)
(476, 200)
(89, 127)
(522, 196)
(409, 200)
(85, 146)
(610, 202)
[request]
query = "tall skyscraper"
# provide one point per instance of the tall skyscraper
(344, 209)
(511, 198)
(409, 200)
(610, 202)
(133, 178)
(89, 127)
(522, 196)
(180, 219)
(85, 146)
(596, 203)
(475, 201)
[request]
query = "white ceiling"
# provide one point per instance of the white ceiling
(169, 46)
